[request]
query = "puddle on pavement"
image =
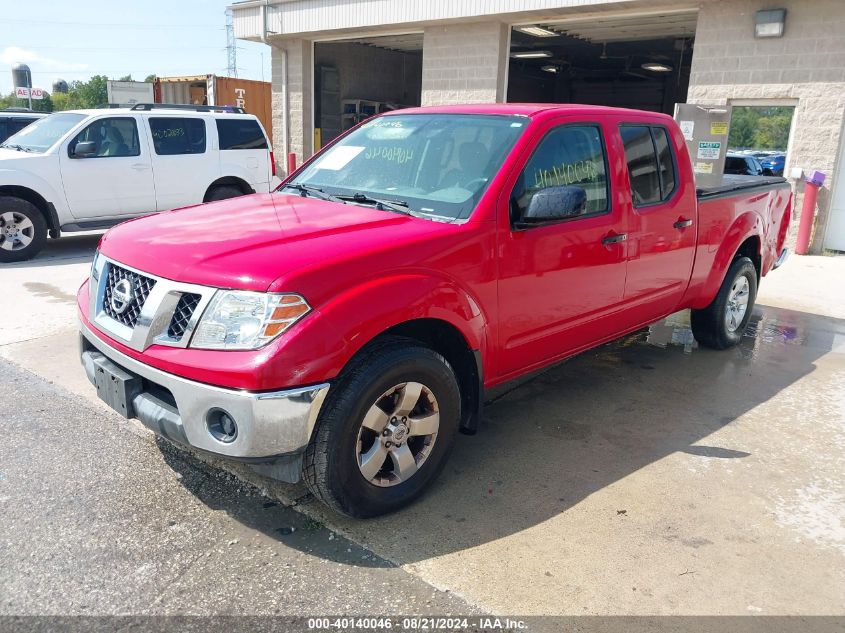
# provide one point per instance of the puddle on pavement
(49, 292)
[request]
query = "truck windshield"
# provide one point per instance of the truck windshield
(43, 133)
(431, 165)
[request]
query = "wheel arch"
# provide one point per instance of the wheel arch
(230, 181)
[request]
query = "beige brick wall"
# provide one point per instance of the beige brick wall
(300, 82)
(806, 65)
(465, 63)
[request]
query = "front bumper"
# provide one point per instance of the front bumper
(270, 424)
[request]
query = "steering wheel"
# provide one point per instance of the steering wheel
(469, 186)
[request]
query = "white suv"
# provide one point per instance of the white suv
(81, 170)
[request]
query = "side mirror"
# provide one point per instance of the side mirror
(84, 149)
(555, 203)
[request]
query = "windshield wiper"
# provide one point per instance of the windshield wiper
(306, 190)
(398, 206)
(19, 148)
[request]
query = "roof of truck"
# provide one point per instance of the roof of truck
(523, 109)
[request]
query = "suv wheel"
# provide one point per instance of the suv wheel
(23, 231)
(385, 430)
(223, 192)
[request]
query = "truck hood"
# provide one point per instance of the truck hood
(249, 242)
(14, 159)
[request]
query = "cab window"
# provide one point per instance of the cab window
(571, 155)
(651, 166)
(113, 138)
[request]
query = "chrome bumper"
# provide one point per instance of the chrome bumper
(270, 424)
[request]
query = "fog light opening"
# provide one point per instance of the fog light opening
(222, 426)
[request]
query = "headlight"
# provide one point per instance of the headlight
(238, 319)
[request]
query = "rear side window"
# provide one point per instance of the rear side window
(240, 134)
(651, 167)
(172, 135)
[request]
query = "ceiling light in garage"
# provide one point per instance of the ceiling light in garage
(531, 55)
(769, 23)
(657, 67)
(550, 68)
(536, 31)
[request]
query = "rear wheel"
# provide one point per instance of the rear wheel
(223, 192)
(385, 430)
(23, 231)
(721, 324)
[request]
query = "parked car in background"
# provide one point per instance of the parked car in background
(13, 120)
(344, 328)
(775, 163)
(744, 165)
(91, 169)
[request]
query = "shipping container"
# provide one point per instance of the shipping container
(251, 95)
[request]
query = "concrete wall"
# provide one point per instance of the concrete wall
(465, 63)
(369, 72)
(295, 99)
(805, 67)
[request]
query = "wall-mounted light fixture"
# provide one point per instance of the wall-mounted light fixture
(769, 23)
(536, 31)
(657, 67)
(531, 54)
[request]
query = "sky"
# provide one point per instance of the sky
(75, 39)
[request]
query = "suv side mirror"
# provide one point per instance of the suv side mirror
(84, 149)
(554, 203)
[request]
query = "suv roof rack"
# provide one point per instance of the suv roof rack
(188, 106)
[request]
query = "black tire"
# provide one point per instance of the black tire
(38, 231)
(330, 466)
(222, 192)
(709, 326)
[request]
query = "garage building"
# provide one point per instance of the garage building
(336, 62)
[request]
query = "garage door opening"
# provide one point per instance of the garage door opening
(633, 62)
(355, 79)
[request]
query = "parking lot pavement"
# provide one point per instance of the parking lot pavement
(99, 521)
(648, 476)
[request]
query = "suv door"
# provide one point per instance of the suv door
(559, 280)
(184, 162)
(116, 179)
(661, 235)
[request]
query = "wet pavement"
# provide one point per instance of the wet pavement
(648, 476)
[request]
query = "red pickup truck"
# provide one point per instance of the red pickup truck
(344, 328)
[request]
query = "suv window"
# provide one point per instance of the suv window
(651, 168)
(114, 137)
(240, 134)
(567, 155)
(172, 135)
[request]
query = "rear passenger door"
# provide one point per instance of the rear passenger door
(183, 163)
(662, 228)
(244, 151)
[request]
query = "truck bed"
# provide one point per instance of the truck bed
(732, 184)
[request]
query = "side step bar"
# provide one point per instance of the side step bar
(782, 258)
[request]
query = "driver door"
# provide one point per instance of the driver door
(560, 282)
(117, 179)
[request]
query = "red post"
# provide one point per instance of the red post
(291, 163)
(808, 214)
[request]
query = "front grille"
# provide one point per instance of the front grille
(141, 287)
(188, 302)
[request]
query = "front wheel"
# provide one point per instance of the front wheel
(721, 324)
(23, 231)
(385, 430)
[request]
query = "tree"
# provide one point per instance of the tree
(150, 78)
(88, 94)
(760, 127)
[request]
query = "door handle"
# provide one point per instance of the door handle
(140, 166)
(615, 238)
(682, 223)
